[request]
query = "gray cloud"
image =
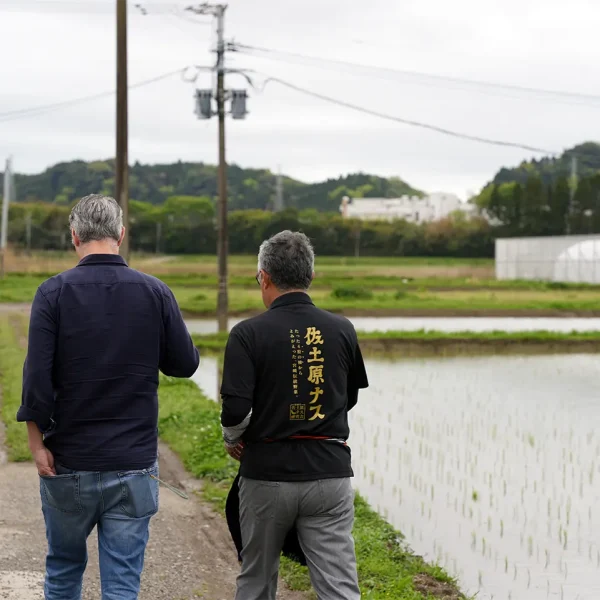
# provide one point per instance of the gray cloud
(56, 55)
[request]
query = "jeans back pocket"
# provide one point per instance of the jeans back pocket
(61, 492)
(139, 493)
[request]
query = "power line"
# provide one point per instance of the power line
(75, 6)
(420, 77)
(43, 109)
(381, 115)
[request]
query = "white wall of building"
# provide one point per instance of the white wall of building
(412, 208)
(567, 258)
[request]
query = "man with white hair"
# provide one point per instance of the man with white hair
(98, 336)
(290, 377)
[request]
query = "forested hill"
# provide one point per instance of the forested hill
(247, 188)
(550, 169)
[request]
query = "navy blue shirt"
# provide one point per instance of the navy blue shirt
(98, 336)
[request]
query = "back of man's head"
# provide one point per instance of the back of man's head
(289, 259)
(97, 218)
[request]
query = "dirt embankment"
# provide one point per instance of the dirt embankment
(24, 308)
(424, 312)
(472, 347)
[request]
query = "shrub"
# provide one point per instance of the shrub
(352, 293)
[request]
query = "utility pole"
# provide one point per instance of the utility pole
(28, 232)
(121, 163)
(158, 234)
(204, 111)
(223, 241)
(279, 191)
(5, 202)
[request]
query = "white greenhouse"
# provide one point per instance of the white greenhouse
(567, 258)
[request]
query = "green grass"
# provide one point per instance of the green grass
(16, 284)
(455, 302)
(11, 370)
(342, 290)
(189, 423)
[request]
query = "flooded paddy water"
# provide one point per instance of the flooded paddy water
(490, 465)
(449, 324)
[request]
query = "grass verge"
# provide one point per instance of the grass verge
(189, 423)
(215, 343)
(11, 370)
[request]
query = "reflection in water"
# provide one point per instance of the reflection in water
(208, 377)
(489, 466)
(204, 326)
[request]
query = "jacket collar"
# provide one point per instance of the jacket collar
(102, 259)
(291, 298)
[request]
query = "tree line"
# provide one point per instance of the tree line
(187, 225)
(534, 208)
(247, 188)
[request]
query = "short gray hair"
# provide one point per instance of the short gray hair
(289, 259)
(97, 217)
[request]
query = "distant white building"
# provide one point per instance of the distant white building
(411, 208)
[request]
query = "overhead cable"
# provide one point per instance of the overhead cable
(417, 77)
(34, 111)
(410, 122)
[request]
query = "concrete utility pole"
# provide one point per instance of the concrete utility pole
(223, 242)
(5, 202)
(279, 191)
(121, 163)
(204, 111)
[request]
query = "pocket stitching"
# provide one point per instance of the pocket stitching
(76, 494)
(125, 492)
(275, 486)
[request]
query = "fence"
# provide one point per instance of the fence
(567, 258)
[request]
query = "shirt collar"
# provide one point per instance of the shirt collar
(291, 298)
(102, 259)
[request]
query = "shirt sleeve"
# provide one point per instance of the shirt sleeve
(237, 389)
(357, 377)
(179, 356)
(37, 400)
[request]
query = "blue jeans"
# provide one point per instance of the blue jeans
(120, 504)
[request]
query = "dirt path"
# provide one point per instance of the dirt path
(189, 556)
(12, 307)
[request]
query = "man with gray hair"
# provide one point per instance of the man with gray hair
(98, 336)
(290, 377)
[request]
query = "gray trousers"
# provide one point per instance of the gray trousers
(323, 512)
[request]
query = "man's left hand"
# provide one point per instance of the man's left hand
(236, 451)
(44, 461)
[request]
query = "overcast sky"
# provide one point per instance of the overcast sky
(58, 50)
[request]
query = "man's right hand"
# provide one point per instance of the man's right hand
(44, 461)
(235, 451)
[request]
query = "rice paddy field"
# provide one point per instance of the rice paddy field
(366, 286)
(489, 465)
